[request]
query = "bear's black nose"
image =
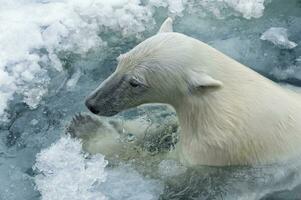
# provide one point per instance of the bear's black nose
(92, 108)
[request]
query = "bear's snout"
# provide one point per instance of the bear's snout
(91, 107)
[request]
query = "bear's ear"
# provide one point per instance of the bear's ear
(166, 26)
(199, 80)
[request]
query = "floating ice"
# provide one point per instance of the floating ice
(33, 33)
(248, 8)
(221, 8)
(279, 37)
(66, 173)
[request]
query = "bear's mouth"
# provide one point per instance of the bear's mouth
(107, 113)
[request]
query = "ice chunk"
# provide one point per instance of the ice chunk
(65, 173)
(33, 33)
(222, 8)
(279, 37)
(248, 8)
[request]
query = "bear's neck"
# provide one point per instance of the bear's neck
(208, 126)
(207, 117)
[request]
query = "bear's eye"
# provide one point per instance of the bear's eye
(134, 83)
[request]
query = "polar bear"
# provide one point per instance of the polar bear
(228, 113)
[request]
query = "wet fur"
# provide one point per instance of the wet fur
(228, 113)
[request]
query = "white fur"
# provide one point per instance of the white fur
(243, 119)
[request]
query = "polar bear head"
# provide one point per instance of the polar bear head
(164, 68)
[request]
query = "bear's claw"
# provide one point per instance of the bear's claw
(82, 125)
